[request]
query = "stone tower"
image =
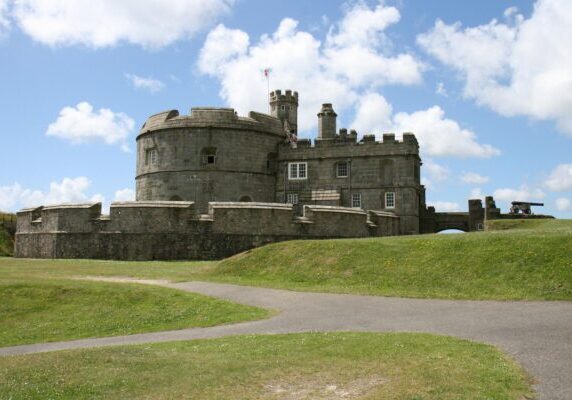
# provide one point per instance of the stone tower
(285, 107)
(327, 122)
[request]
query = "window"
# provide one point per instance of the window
(151, 157)
(342, 170)
(283, 108)
(292, 198)
(390, 200)
(297, 170)
(356, 200)
(208, 156)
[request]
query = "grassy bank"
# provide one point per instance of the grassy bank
(528, 263)
(295, 366)
(533, 261)
(34, 311)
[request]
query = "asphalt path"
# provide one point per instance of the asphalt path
(537, 334)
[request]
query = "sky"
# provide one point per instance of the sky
(485, 85)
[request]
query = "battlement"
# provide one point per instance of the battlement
(349, 138)
(174, 230)
(287, 96)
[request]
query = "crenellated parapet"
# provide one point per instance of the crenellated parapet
(167, 229)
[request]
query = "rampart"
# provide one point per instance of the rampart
(168, 230)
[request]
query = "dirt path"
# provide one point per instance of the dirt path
(537, 334)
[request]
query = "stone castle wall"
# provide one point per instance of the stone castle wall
(240, 147)
(153, 230)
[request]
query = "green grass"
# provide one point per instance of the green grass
(295, 366)
(34, 311)
(530, 224)
(532, 262)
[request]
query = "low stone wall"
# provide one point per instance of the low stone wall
(165, 230)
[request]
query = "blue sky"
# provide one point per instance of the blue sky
(485, 85)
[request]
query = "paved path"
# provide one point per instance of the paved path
(537, 334)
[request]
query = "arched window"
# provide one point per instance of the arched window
(208, 156)
(175, 198)
(245, 199)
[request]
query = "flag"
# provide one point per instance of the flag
(267, 72)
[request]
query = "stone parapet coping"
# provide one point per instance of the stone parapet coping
(335, 209)
(236, 204)
(153, 204)
(68, 206)
(383, 214)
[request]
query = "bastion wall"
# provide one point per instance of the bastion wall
(169, 230)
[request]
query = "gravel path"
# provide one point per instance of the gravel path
(537, 334)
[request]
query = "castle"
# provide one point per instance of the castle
(212, 183)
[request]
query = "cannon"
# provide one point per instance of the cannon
(523, 207)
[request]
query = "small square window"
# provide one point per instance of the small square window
(342, 170)
(292, 198)
(151, 157)
(297, 170)
(356, 200)
(210, 159)
(390, 200)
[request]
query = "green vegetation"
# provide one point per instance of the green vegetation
(532, 262)
(301, 366)
(533, 224)
(36, 311)
(6, 242)
(525, 264)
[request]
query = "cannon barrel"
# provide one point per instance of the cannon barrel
(526, 203)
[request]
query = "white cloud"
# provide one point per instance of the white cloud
(441, 136)
(560, 179)
(437, 135)
(81, 124)
(436, 172)
(519, 67)
(563, 204)
(523, 193)
(103, 23)
(477, 193)
(474, 178)
(322, 71)
(445, 206)
(124, 195)
(4, 22)
(373, 114)
(150, 84)
(440, 90)
(69, 190)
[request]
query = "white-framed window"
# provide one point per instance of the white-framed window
(390, 200)
(342, 169)
(356, 200)
(298, 170)
(151, 157)
(292, 198)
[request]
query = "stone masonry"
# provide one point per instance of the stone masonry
(212, 184)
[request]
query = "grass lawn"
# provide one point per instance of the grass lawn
(530, 262)
(34, 311)
(295, 366)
